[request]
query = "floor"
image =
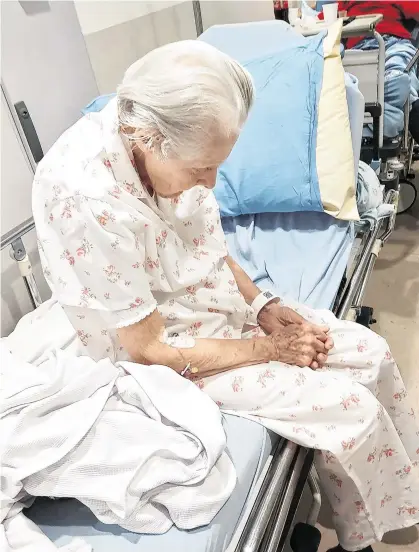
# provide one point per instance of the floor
(394, 293)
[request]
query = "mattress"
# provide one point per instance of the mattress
(249, 445)
(302, 256)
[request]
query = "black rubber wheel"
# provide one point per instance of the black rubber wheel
(305, 538)
(365, 317)
(407, 197)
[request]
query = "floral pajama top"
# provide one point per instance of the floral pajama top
(112, 254)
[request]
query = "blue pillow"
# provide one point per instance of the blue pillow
(272, 167)
(97, 104)
(295, 150)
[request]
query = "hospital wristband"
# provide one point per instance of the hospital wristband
(261, 301)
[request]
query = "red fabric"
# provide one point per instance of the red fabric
(393, 13)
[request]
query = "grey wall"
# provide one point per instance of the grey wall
(219, 12)
(116, 45)
(44, 62)
(113, 49)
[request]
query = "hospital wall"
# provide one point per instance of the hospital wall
(119, 32)
(44, 63)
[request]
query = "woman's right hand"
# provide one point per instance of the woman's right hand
(299, 345)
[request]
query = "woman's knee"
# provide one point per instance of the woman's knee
(374, 349)
(365, 411)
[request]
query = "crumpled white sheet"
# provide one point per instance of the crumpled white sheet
(370, 197)
(139, 445)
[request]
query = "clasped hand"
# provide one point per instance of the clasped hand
(296, 341)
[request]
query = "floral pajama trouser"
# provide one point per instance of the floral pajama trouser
(355, 411)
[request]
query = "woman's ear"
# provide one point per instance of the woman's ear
(127, 130)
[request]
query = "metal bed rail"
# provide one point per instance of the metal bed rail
(376, 237)
(13, 239)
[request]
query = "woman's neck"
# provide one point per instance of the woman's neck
(142, 171)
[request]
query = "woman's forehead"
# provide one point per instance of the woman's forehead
(214, 154)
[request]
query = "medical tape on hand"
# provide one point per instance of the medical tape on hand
(177, 341)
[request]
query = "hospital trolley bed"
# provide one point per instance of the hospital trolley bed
(271, 471)
(392, 155)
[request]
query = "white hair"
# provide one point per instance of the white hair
(178, 98)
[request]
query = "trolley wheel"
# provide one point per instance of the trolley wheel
(305, 538)
(365, 317)
(407, 196)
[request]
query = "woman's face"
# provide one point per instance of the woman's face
(171, 177)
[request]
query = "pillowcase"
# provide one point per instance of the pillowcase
(295, 150)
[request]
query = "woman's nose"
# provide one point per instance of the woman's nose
(208, 180)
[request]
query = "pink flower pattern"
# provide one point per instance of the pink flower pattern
(265, 376)
(362, 346)
(104, 217)
(85, 296)
(237, 384)
(84, 337)
(161, 239)
(84, 248)
(349, 401)
(68, 256)
(194, 328)
(138, 302)
(111, 274)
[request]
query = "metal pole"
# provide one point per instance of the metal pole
(313, 483)
(352, 288)
(280, 469)
(412, 62)
(281, 518)
(381, 70)
(198, 17)
(17, 232)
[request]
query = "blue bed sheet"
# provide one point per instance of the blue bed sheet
(302, 256)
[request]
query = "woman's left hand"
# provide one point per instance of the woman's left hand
(273, 317)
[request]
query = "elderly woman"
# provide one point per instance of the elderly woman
(132, 246)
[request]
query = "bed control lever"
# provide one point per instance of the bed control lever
(29, 131)
(375, 110)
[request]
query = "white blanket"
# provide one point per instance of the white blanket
(139, 445)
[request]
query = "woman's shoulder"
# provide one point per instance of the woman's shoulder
(75, 164)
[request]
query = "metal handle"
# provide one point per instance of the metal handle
(279, 470)
(17, 232)
(29, 131)
(412, 62)
(198, 17)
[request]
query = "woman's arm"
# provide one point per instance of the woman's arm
(274, 317)
(144, 343)
(207, 357)
(247, 288)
